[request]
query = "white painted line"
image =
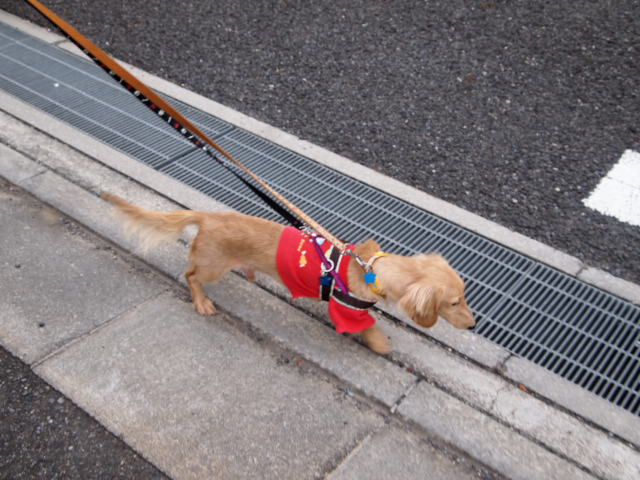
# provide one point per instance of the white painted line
(618, 194)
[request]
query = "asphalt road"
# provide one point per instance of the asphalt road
(513, 110)
(44, 435)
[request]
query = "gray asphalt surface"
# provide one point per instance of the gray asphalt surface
(44, 435)
(513, 110)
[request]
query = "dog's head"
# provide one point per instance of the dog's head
(432, 288)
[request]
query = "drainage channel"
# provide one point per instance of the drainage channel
(573, 329)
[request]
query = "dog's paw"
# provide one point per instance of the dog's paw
(381, 347)
(205, 307)
(376, 340)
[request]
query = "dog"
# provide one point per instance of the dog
(424, 286)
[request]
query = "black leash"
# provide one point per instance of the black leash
(283, 212)
(172, 117)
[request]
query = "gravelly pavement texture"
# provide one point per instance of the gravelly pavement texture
(513, 110)
(44, 435)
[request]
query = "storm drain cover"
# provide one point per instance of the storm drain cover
(573, 329)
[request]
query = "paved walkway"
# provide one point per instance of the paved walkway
(198, 397)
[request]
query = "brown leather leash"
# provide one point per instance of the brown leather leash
(175, 119)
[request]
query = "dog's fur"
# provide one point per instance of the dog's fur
(424, 286)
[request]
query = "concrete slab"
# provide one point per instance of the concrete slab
(490, 392)
(574, 398)
(55, 285)
(201, 400)
(617, 286)
(29, 28)
(394, 453)
(71, 181)
(482, 437)
(353, 363)
(96, 214)
(95, 149)
(606, 457)
(471, 345)
(16, 167)
(476, 385)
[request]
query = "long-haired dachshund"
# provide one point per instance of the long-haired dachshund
(424, 286)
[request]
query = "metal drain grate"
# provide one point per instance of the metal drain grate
(577, 331)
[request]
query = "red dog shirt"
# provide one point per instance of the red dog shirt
(300, 268)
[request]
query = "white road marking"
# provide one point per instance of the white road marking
(618, 194)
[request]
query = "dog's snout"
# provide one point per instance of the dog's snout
(472, 322)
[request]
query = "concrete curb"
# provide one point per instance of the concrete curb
(457, 423)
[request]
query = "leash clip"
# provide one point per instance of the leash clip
(327, 267)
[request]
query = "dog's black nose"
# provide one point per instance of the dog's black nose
(471, 327)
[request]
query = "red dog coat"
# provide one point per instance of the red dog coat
(300, 269)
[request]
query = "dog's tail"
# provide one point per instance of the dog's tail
(150, 227)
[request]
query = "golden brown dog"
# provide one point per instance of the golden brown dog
(424, 286)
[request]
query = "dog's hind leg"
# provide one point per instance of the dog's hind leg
(196, 277)
(376, 340)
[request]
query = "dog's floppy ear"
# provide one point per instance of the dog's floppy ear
(421, 302)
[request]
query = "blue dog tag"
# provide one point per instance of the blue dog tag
(370, 278)
(325, 280)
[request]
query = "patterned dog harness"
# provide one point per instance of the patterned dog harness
(305, 274)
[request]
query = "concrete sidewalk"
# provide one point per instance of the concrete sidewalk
(198, 397)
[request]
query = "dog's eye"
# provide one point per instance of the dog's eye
(455, 304)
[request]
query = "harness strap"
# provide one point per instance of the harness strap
(330, 277)
(352, 301)
(327, 266)
(327, 279)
